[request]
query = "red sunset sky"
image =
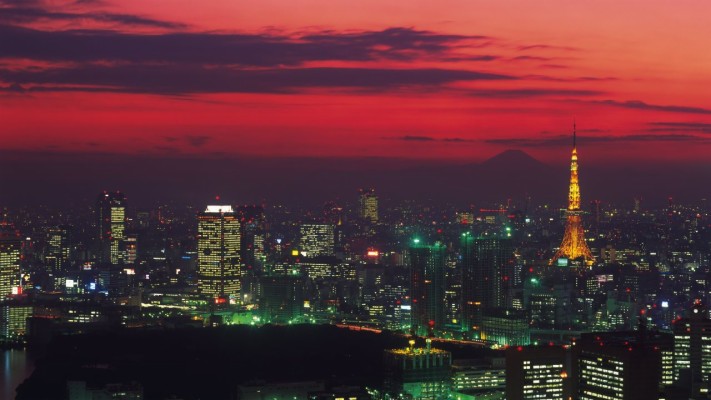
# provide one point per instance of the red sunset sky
(455, 80)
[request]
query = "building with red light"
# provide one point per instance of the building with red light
(427, 286)
(486, 263)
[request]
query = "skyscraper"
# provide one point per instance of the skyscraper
(10, 250)
(368, 203)
(692, 351)
(111, 225)
(573, 246)
(219, 265)
(621, 365)
(537, 373)
(57, 251)
(317, 240)
(484, 261)
(427, 287)
(253, 226)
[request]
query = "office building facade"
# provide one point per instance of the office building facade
(111, 227)
(427, 286)
(219, 266)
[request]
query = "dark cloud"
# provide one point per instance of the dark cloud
(650, 138)
(570, 79)
(595, 78)
(181, 79)
(531, 58)
(256, 50)
(555, 66)
(13, 88)
(392, 40)
(412, 138)
(531, 142)
(15, 3)
(592, 130)
(639, 105)
(457, 140)
(198, 141)
(546, 47)
(192, 140)
(25, 13)
(91, 2)
(176, 63)
(566, 140)
(701, 127)
(486, 57)
(532, 92)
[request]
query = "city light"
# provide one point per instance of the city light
(392, 220)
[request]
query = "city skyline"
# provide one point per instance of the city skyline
(371, 200)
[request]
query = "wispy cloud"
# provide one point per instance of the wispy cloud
(640, 105)
(546, 47)
(532, 92)
(198, 140)
(565, 140)
(570, 79)
(531, 58)
(554, 66)
(25, 12)
(411, 138)
(418, 138)
(699, 127)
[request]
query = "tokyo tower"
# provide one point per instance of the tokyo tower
(573, 246)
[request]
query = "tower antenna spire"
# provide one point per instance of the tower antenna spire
(574, 134)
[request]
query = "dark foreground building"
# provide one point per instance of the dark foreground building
(537, 373)
(622, 365)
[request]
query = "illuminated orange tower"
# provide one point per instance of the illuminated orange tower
(574, 246)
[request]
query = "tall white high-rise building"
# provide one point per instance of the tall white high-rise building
(219, 264)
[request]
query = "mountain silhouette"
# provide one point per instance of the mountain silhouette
(516, 159)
